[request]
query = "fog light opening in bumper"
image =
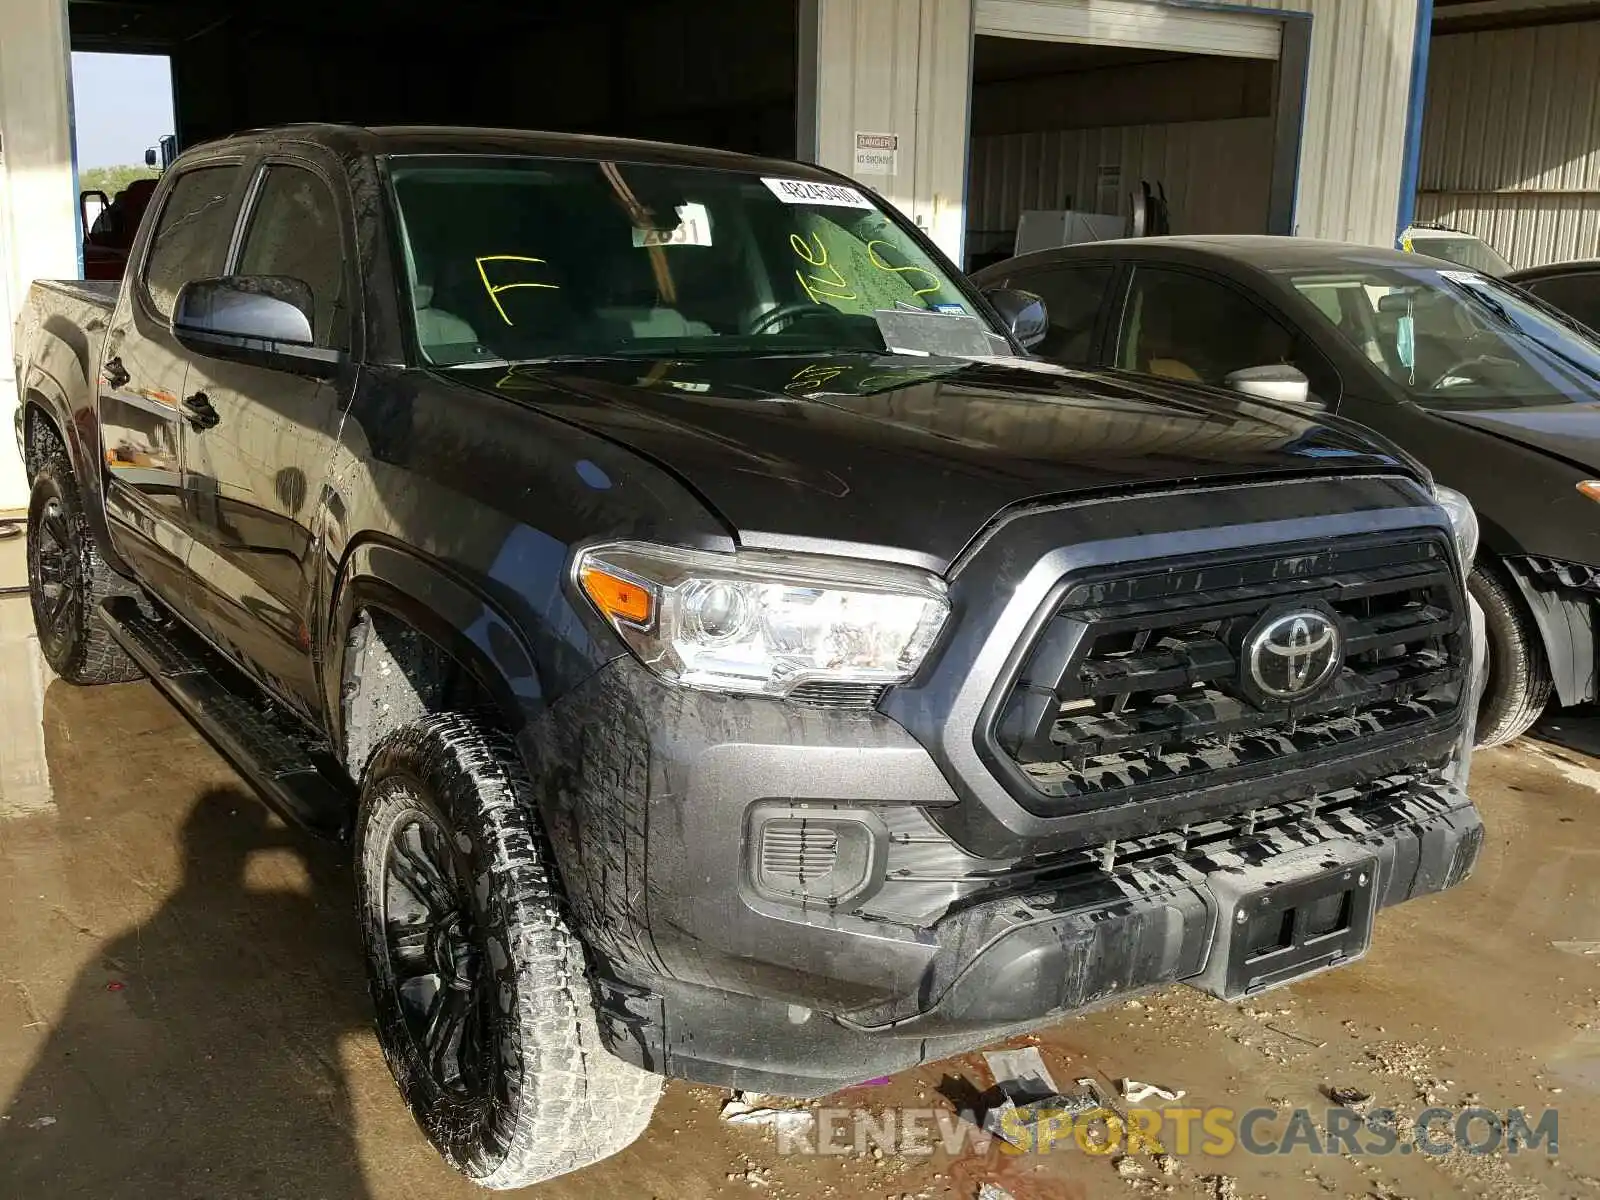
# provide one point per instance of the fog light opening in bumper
(821, 856)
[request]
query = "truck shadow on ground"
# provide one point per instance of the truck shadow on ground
(1576, 728)
(199, 1055)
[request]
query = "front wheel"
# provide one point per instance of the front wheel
(1519, 686)
(484, 1005)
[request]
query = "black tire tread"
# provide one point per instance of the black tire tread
(1519, 683)
(93, 656)
(574, 1103)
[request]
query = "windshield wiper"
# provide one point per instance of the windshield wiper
(1486, 301)
(502, 364)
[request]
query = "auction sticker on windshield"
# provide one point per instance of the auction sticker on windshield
(809, 191)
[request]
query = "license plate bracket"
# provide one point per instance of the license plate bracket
(1289, 917)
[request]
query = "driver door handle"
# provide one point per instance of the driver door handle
(198, 412)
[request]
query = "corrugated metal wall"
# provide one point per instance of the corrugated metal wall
(894, 66)
(1216, 174)
(1353, 147)
(904, 66)
(1355, 116)
(1511, 140)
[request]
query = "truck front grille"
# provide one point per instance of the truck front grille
(1136, 687)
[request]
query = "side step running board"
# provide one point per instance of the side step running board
(275, 753)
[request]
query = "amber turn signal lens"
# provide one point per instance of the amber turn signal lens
(619, 598)
(1590, 488)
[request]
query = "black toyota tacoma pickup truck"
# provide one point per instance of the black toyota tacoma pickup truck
(729, 657)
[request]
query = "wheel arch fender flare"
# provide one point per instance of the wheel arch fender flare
(79, 431)
(464, 623)
(1565, 620)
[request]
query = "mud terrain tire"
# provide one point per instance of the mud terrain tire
(526, 1091)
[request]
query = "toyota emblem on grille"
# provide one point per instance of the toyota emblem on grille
(1289, 656)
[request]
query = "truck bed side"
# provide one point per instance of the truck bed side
(58, 343)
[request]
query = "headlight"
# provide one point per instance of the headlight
(1463, 522)
(763, 623)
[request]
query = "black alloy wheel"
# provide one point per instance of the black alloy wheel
(68, 580)
(436, 957)
(56, 568)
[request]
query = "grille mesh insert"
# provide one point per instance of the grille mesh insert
(1135, 683)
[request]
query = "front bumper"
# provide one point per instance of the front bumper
(705, 977)
(1019, 961)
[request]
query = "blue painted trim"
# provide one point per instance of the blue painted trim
(1411, 165)
(1305, 105)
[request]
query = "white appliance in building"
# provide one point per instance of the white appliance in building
(1046, 228)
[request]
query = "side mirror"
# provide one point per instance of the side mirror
(100, 202)
(263, 320)
(1278, 382)
(1022, 313)
(150, 159)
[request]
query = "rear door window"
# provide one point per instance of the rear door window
(1196, 328)
(192, 234)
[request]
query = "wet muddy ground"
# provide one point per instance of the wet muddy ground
(182, 1010)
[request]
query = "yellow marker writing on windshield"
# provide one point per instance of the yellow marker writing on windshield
(872, 256)
(817, 256)
(494, 290)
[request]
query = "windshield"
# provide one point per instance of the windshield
(517, 259)
(1460, 248)
(1457, 339)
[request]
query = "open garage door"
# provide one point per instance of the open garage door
(698, 71)
(1135, 24)
(1096, 119)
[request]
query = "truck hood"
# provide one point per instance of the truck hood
(1569, 430)
(906, 459)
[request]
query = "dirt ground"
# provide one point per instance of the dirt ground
(183, 1015)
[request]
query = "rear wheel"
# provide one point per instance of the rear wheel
(1518, 686)
(67, 580)
(485, 1008)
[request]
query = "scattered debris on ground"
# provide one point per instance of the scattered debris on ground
(1349, 1097)
(1028, 1094)
(1401, 1058)
(1135, 1092)
(739, 1111)
(1578, 947)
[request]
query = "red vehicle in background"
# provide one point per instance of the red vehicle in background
(110, 235)
(110, 232)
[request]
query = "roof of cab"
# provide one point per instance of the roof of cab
(445, 139)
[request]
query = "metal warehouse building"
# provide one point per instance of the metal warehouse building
(1511, 142)
(1300, 116)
